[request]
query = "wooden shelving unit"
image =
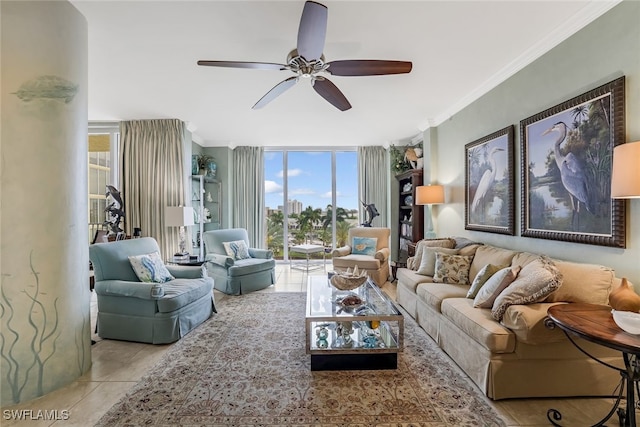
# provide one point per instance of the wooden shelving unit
(410, 215)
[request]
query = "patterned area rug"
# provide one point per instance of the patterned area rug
(247, 366)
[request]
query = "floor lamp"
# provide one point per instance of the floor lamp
(179, 216)
(430, 195)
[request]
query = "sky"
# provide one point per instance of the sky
(309, 175)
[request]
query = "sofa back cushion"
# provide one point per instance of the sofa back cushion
(590, 283)
(487, 254)
(427, 266)
(414, 262)
(523, 258)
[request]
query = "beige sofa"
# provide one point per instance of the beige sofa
(518, 356)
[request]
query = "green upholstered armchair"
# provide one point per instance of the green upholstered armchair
(129, 310)
(237, 276)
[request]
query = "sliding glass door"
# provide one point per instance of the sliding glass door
(302, 187)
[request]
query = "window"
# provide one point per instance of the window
(102, 152)
(304, 197)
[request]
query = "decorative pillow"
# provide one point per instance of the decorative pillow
(430, 243)
(411, 263)
(535, 281)
(481, 278)
(364, 246)
(150, 268)
(452, 269)
(427, 266)
(494, 286)
(237, 249)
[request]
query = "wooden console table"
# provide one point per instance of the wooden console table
(595, 323)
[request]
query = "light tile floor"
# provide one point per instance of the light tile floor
(118, 365)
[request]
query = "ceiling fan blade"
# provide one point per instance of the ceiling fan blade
(331, 93)
(240, 64)
(312, 30)
(276, 91)
(368, 67)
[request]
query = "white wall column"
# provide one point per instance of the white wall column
(44, 262)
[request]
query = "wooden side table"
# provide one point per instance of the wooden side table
(186, 261)
(395, 265)
(595, 323)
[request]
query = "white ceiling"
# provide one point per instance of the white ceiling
(142, 63)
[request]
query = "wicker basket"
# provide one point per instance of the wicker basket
(347, 283)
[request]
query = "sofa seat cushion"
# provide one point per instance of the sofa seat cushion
(434, 293)
(590, 283)
(527, 322)
(410, 279)
(489, 255)
(362, 261)
(478, 324)
(182, 292)
(243, 267)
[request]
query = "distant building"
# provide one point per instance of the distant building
(294, 206)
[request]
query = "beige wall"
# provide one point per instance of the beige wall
(568, 70)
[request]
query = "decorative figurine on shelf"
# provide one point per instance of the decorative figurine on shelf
(371, 212)
(114, 210)
(413, 156)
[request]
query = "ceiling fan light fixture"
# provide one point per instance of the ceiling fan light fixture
(311, 39)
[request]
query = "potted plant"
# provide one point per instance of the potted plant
(205, 164)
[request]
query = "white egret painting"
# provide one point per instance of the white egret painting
(489, 183)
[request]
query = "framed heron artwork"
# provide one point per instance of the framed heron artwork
(567, 154)
(489, 188)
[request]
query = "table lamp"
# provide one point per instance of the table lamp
(430, 195)
(625, 173)
(625, 184)
(179, 216)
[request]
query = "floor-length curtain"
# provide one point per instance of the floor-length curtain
(373, 178)
(248, 193)
(152, 177)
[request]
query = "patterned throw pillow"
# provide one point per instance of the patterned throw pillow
(237, 249)
(150, 268)
(496, 284)
(364, 246)
(481, 278)
(536, 280)
(427, 265)
(452, 269)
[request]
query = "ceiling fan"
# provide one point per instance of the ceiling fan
(307, 61)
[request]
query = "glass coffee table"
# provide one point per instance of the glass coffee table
(365, 335)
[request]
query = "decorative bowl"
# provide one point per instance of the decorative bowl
(628, 321)
(347, 283)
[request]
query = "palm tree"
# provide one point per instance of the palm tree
(277, 218)
(327, 218)
(342, 233)
(309, 218)
(275, 237)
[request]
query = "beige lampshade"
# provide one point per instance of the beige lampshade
(625, 176)
(429, 194)
(178, 216)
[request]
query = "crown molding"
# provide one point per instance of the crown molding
(585, 16)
